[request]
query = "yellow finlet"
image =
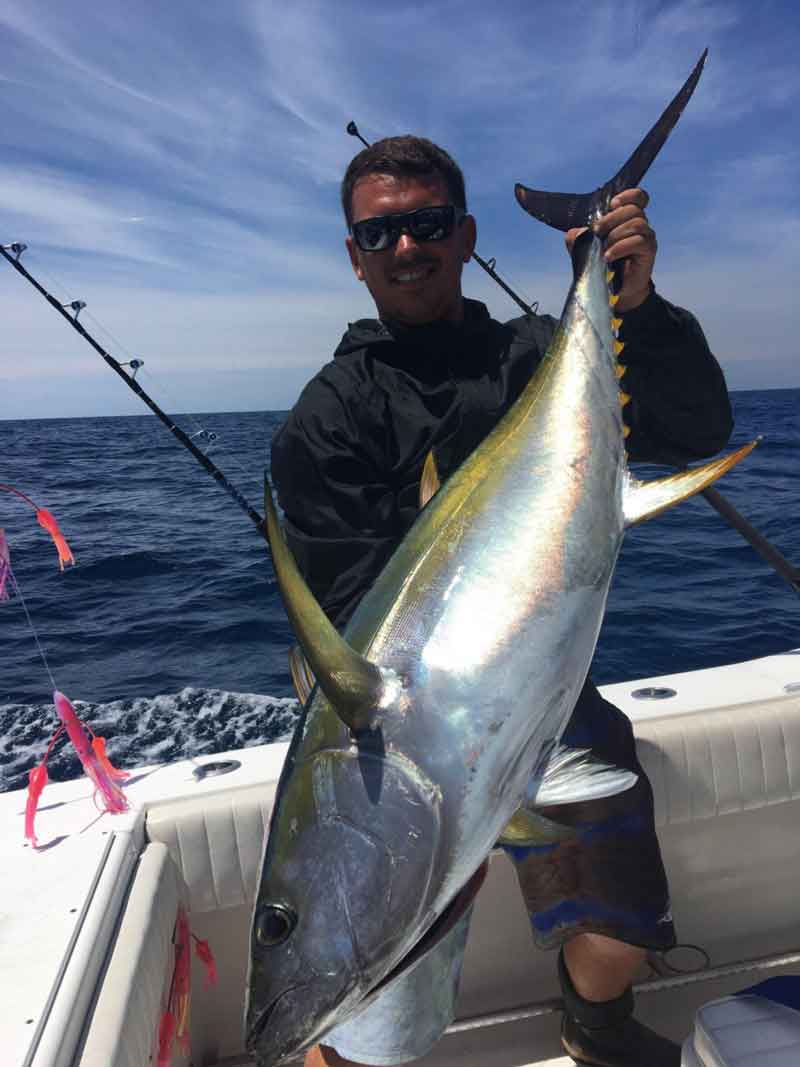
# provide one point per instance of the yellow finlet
(615, 324)
(626, 430)
(624, 398)
(609, 276)
(429, 483)
(619, 370)
(618, 346)
(613, 298)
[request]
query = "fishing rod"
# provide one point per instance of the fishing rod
(76, 306)
(721, 505)
(755, 539)
(764, 548)
(487, 264)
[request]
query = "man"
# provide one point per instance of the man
(435, 371)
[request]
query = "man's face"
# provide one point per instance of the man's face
(412, 283)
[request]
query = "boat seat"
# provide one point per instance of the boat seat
(745, 1030)
(730, 761)
(216, 842)
(123, 1027)
(724, 761)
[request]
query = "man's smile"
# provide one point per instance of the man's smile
(412, 275)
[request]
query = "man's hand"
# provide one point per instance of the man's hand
(628, 235)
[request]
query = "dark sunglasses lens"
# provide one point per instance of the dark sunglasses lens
(371, 235)
(432, 224)
(427, 224)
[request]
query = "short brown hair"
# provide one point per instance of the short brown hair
(405, 156)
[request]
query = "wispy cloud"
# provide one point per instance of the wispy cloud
(177, 165)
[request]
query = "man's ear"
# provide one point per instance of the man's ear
(352, 249)
(469, 237)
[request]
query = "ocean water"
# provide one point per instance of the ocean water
(169, 634)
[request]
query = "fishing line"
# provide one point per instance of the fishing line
(136, 363)
(213, 439)
(17, 248)
(79, 307)
(33, 630)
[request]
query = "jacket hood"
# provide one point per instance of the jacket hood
(368, 332)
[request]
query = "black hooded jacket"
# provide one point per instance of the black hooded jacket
(347, 462)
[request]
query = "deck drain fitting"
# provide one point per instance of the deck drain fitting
(212, 770)
(654, 692)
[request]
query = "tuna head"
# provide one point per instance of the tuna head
(343, 891)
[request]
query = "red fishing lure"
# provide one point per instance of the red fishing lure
(91, 749)
(174, 1023)
(46, 520)
(103, 775)
(96, 764)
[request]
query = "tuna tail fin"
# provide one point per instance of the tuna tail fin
(567, 210)
(643, 500)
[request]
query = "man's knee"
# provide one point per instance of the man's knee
(601, 968)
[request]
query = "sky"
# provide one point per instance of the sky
(176, 166)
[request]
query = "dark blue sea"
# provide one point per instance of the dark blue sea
(170, 627)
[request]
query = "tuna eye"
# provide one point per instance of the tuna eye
(273, 925)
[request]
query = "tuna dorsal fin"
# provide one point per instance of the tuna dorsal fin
(429, 483)
(567, 210)
(352, 684)
(643, 500)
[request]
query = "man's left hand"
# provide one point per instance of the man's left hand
(628, 235)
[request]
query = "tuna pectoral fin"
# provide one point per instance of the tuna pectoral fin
(569, 776)
(643, 500)
(575, 774)
(567, 210)
(353, 685)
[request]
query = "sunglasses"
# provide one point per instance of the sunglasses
(425, 224)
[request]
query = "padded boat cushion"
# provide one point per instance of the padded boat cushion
(745, 1031)
(216, 842)
(124, 1024)
(701, 766)
(721, 762)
